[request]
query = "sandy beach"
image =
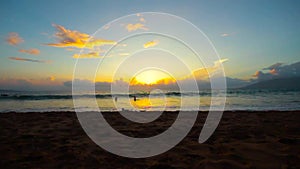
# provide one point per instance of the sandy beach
(242, 140)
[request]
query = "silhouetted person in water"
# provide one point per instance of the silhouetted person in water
(134, 98)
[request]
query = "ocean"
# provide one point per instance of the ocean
(236, 99)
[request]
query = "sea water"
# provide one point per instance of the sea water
(236, 99)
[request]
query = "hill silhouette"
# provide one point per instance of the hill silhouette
(281, 83)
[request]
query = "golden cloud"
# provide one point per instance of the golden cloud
(124, 54)
(151, 43)
(29, 60)
(72, 38)
(87, 55)
(14, 39)
(133, 27)
(205, 73)
(30, 51)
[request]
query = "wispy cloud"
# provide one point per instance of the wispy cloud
(106, 26)
(225, 34)
(142, 20)
(124, 54)
(70, 49)
(30, 51)
(218, 62)
(133, 27)
(87, 55)
(14, 39)
(73, 38)
(29, 60)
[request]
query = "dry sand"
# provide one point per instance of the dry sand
(242, 140)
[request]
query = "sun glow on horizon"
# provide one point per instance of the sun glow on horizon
(150, 77)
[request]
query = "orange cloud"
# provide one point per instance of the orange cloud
(257, 74)
(30, 51)
(273, 72)
(72, 38)
(29, 60)
(87, 55)
(133, 27)
(14, 39)
(150, 43)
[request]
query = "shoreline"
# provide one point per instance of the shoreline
(243, 139)
(168, 111)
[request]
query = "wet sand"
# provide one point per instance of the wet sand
(242, 140)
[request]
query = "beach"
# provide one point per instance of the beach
(243, 139)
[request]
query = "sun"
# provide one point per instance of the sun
(150, 77)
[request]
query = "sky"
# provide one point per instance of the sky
(41, 40)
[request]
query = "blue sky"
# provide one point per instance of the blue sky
(252, 35)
